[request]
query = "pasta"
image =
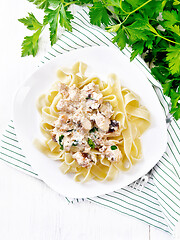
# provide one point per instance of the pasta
(112, 125)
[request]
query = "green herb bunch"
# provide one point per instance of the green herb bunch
(149, 27)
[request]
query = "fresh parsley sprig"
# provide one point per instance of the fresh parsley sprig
(149, 27)
(30, 43)
(56, 14)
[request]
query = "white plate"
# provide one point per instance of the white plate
(101, 61)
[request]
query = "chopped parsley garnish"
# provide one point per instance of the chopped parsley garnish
(75, 143)
(113, 147)
(89, 97)
(91, 143)
(60, 142)
(70, 130)
(93, 129)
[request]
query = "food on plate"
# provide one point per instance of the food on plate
(93, 127)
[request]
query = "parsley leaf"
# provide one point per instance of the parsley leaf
(175, 97)
(176, 2)
(176, 112)
(120, 38)
(41, 4)
(98, 14)
(167, 86)
(54, 3)
(65, 18)
(170, 17)
(31, 22)
(138, 48)
(91, 143)
(30, 44)
(56, 16)
(175, 29)
(52, 17)
(173, 57)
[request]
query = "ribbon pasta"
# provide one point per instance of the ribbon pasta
(134, 119)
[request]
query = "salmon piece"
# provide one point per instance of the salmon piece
(82, 159)
(113, 155)
(53, 136)
(102, 122)
(106, 109)
(86, 124)
(63, 88)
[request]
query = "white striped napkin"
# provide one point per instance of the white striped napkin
(159, 202)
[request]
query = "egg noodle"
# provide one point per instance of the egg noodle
(132, 117)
